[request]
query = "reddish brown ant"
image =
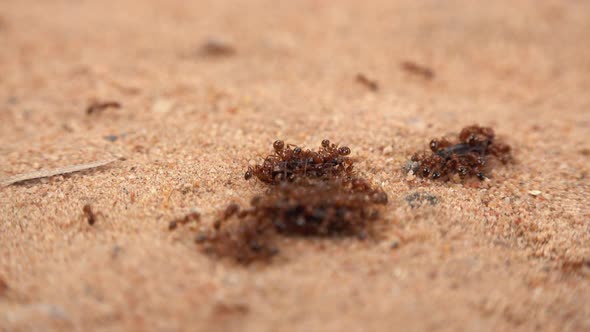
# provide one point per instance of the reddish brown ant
(368, 83)
(417, 69)
(89, 214)
(192, 216)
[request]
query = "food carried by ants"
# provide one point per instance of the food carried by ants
(470, 156)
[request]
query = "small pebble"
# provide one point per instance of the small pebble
(111, 138)
(200, 238)
(418, 199)
(535, 193)
(162, 106)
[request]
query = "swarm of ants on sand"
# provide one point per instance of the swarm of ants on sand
(319, 193)
(311, 193)
(470, 156)
(339, 207)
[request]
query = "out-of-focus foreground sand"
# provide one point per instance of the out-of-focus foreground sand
(493, 258)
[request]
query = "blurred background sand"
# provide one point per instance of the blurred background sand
(489, 258)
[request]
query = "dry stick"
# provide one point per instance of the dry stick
(53, 172)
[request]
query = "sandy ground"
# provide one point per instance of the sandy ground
(491, 258)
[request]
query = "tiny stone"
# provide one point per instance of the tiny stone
(535, 193)
(411, 166)
(111, 138)
(200, 238)
(116, 251)
(162, 106)
(418, 199)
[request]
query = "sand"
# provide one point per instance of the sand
(512, 253)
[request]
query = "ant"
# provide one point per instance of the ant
(244, 241)
(364, 80)
(196, 216)
(417, 69)
(89, 214)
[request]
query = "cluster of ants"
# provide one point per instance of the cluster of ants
(470, 156)
(319, 193)
(310, 193)
(291, 162)
(339, 207)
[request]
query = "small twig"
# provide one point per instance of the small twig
(217, 48)
(370, 84)
(97, 106)
(53, 172)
